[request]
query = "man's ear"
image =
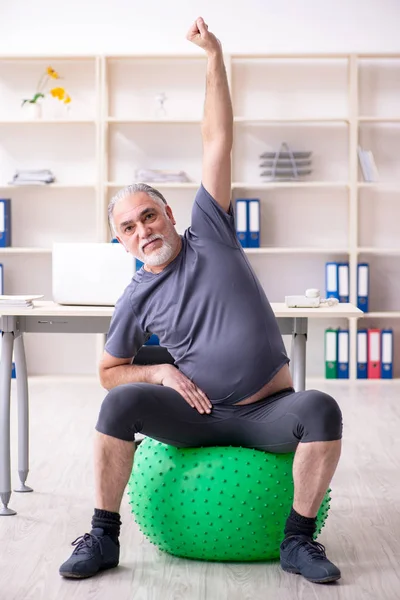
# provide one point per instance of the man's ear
(122, 243)
(169, 212)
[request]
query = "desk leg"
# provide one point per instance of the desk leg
(5, 397)
(23, 413)
(299, 340)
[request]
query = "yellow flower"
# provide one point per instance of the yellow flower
(67, 99)
(52, 73)
(58, 92)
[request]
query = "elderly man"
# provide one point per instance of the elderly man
(230, 383)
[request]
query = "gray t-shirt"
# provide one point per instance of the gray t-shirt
(208, 309)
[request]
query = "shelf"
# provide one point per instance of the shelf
(381, 315)
(383, 251)
(120, 121)
(275, 250)
(57, 186)
(324, 103)
(379, 119)
(21, 250)
(379, 185)
(161, 185)
(242, 185)
(299, 120)
(47, 122)
(290, 184)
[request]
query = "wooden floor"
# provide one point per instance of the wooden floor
(362, 535)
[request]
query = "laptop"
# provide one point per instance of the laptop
(93, 274)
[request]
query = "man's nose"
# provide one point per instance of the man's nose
(144, 230)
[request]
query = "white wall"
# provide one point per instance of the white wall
(115, 26)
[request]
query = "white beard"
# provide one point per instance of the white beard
(159, 256)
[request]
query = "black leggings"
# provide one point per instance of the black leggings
(275, 424)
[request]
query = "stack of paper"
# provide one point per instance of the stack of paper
(17, 301)
(34, 177)
(368, 165)
(161, 176)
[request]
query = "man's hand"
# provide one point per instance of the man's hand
(173, 378)
(199, 35)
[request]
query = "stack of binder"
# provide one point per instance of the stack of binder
(248, 222)
(375, 353)
(336, 353)
(338, 284)
(5, 222)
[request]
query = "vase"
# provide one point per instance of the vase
(32, 111)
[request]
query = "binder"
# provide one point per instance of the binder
(332, 280)
(331, 350)
(387, 354)
(362, 286)
(138, 264)
(343, 282)
(253, 220)
(13, 371)
(1, 279)
(241, 221)
(374, 353)
(343, 354)
(362, 353)
(153, 340)
(5, 222)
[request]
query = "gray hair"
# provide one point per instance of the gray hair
(134, 188)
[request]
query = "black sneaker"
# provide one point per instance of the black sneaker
(302, 555)
(94, 552)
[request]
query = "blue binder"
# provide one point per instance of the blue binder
(5, 222)
(332, 280)
(362, 286)
(362, 354)
(13, 371)
(253, 220)
(138, 264)
(153, 340)
(387, 354)
(343, 282)
(343, 354)
(242, 221)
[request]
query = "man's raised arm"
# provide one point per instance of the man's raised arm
(217, 126)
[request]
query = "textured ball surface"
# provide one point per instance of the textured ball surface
(216, 504)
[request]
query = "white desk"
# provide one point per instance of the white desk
(49, 317)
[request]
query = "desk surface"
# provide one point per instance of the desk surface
(51, 309)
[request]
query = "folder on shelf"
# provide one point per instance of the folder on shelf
(374, 353)
(362, 286)
(253, 234)
(138, 264)
(332, 280)
(343, 354)
(1, 279)
(242, 221)
(343, 282)
(387, 354)
(153, 340)
(331, 352)
(5, 222)
(362, 353)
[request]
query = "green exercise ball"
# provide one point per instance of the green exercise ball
(219, 503)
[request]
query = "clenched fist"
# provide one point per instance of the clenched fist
(199, 35)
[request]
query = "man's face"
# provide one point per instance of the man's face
(145, 229)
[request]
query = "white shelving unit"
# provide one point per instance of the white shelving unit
(324, 103)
